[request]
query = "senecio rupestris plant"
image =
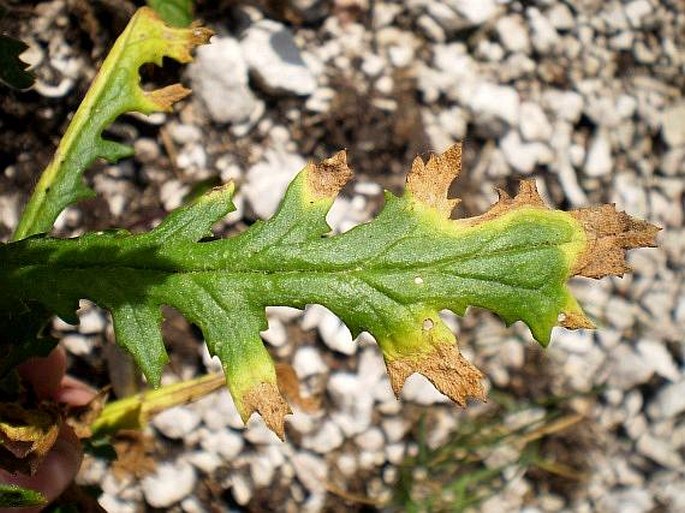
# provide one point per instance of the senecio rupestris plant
(390, 277)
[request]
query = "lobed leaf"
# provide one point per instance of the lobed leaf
(115, 91)
(390, 277)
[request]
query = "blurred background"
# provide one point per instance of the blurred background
(587, 97)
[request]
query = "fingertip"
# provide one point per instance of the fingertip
(45, 374)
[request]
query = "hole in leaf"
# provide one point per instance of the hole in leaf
(428, 324)
(155, 77)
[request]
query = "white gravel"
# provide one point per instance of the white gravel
(586, 97)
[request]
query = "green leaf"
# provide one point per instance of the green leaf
(115, 91)
(390, 276)
(178, 13)
(13, 496)
(12, 69)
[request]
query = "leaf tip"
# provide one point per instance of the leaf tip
(429, 182)
(610, 233)
(164, 98)
(575, 320)
(200, 35)
(328, 177)
(266, 399)
(446, 368)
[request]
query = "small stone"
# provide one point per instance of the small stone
(334, 333)
(544, 36)
(171, 194)
(370, 460)
(454, 122)
(523, 157)
(636, 11)
(517, 65)
(401, 56)
(383, 13)
(77, 344)
(395, 453)
(673, 125)
(225, 443)
(241, 489)
(354, 403)
(669, 402)
(629, 368)
(490, 51)
(567, 105)
(276, 334)
(629, 194)
(10, 207)
(205, 461)
(193, 159)
(183, 134)
(496, 101)
(276, 455)
(620, 313)
(311, 471)
(443, 425)
(444, 16)
(92, 321)
(308, 362)
(302, 422)
(622, 41)
(257, 433)
(222, 412)
(262, 470)
(326, 439)
(219, 79)
(320, 100)
(672, 491)
(431, 28)
(116, 485)
(192, 505)
(275, 60)
(347, 464)
(656, 354)
(625, 474)
(574, 341)
(371, 440)
(169, 484)
(660, 451)
(373, 65)
(561, 16)
(146, 150)
(113, 504)
(385, 85)
(395, 428)
(513, 34)
(177, 422)
(534, 124)
(475, 12)
(599, 161)
(629, 500)
(551, 503)
(267, 180)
